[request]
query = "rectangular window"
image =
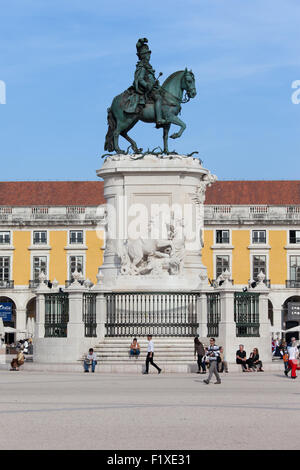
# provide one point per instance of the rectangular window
(294, 236)
(222, 236)
(258, 236)
(295, 268)
(40, 237)
(76, 236)
(76, 264)
(39, 265)
(222, 263)
(4, 268)
(4, 238)
(259, 264)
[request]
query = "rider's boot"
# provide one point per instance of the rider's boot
(158, 111)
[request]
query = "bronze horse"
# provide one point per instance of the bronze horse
(120, 122)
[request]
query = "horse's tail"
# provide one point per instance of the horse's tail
(109, 139)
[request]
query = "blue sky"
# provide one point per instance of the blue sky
(63, 61)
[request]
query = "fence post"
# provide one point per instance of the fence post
(75, 325)
(40, 316)
(202, 314)
(227, 328)
(265, 350)
(101, 313)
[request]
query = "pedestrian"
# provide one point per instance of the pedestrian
(150, 355)
(135, 348)
(253, 362)
(241, 357)
(17, 361)
(293, 356)
(222, 364)
(284, 354)
(213, 353)
(199, 350)
(25, 346)
(90, 361)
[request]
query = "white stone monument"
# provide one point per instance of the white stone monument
(154, 222)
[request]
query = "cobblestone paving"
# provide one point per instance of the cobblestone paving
(93, 411)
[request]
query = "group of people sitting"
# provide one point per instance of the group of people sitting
(251, 364)
(202, 357)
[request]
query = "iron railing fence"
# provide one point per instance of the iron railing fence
(34, 283)
(6, 284)
(267, 282)
(56, 315)
(292, 284)
(89, 315)
(68, 282)
(213, 314)
(160, 314)
(246, 314)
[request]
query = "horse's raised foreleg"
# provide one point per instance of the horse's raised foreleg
(175, 120)
(166, 135)
(131, 141)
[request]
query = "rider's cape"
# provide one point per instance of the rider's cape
(130, 100)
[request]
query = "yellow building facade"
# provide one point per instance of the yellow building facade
(59, 228)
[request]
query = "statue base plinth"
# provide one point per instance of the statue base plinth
(155, 218)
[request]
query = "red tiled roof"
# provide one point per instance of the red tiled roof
(254, 192)
(51, 193)
(90, 193)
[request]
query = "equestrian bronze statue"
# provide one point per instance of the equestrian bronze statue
(148, 101)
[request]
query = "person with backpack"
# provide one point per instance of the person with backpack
(213, 353)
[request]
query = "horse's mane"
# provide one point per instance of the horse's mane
(171, 77)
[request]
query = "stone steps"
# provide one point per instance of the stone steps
(166, 350)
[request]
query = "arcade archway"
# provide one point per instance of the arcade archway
(291, 316)
(8, 313)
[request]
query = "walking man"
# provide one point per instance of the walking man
(213, 352)
(150, 355)
(293, 355)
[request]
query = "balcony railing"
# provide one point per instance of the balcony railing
(265, 281)
(215, 282)
(69, 282)
(6, 284)
(34, 283)
(292, 284)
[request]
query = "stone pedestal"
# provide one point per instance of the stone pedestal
(154, 222)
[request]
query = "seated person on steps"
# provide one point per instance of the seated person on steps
(135, 348)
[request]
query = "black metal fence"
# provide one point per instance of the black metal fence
(213, 314)
(56, 315)
(6, 284)
(89, 315)
(292, 284)
(160, 314)
(246, 314)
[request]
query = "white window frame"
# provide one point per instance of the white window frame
(40, 244)
(76, 244)
(10, 238)
(6, 255)
(259, 243)
(259, 253)
(76, 253)
(288, 237)
(39, 254)
(222, 230)
(222, 253)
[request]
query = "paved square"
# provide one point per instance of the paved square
(95, 411)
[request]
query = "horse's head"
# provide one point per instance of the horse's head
(188, 83)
